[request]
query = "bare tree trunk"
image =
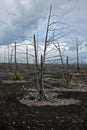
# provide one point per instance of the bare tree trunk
(11, 59)
(35, 50)
(42, 92)
(78, 68)
(47, 33)
(27, 56)
(37, 70)
(15, 63)
(39, 78)
(66, 76)
(8, 67)
(41, 81)
(61, 58)
(27, 62)
(67, 63)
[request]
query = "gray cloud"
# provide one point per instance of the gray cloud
(20, 18)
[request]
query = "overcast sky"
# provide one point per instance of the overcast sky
(20, 19)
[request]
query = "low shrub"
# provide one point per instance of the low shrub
(67, 78)
(17, 76)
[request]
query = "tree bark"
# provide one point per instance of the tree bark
(78, 68)
(45, 47)
(42, 95)
(15, 63)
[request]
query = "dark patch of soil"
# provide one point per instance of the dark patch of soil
(16, 116)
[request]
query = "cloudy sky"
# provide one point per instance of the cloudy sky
(20, 19)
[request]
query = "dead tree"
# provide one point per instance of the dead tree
(39, 75)
(47, 31)
(59, 50)
(78, 68)
(35, 50)
(27, 56)
(67, 63)
(48, 41)
(56, 33)
(36, 65)
(42, 92)
(15, 63)
(11, 58)
(8, 57)
(27, 62)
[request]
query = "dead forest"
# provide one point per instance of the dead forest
(48, 91)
